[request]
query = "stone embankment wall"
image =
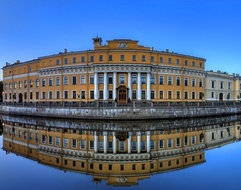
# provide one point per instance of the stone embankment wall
(121, 113)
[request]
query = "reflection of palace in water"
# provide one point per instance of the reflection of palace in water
(119, 155)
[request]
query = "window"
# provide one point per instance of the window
(221, 84)
(186, 62)
(82, 144)
(134, 94)
(31, 84)
(122, 167)
(169, 80)
(43, 139)
(122, 145)
(169, 143)
(161, 143)
(143, 145)
(229, 85)
(193, 82)
(122, 57)
(185, 95)
(91, 79)
(91, 145)
(185, 140)
(65, 60)
(178, 95)
(133, 167)
(66, 142)
(110, 167)
(50, 95)
(82, 80)
(212, 94)
(110, 58)
(193, 139)
(213, 83)
(200, 83)
(74, 80)
(43, 95)
(143, 58)
(161, 95)
(82, 94)
(169, 163)
(133, 79)
(74, 95)
(91, 58)
(193, 95)
(91, 94)
(50, 81)
(66, 80)
(65, 94)
(178, 142)
(133, 57)
(178, 81)
(152, 144)
(100, 94)
(200, 64)
(161, 59)
(143, 94)
(101, 79)
(185, 81)
(58, 94)
(169, 95)
(37, 95)
(57, 141)
(152, 79)
(143, 79)
(133, 145)
(161, 80)
(193, 64)
(178, 61)
(57, 81)
(122, 79)
(50, 140)
(82, 59)
(57, 62)
(100, 57)
(143, 166)
(152, 94)
(110, 79)
(152, 58)
(30, 69)
(221, 134)
(169, 60)
(110, 145)
(110, 94)
(74, 59)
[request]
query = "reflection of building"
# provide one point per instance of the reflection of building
(221, 86)
(121, 158)
(122, 70)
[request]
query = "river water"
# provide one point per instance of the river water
(53, 154)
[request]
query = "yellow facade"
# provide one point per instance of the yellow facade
(120, 71)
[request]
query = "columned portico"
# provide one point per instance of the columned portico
(139, 86)
(96, 86)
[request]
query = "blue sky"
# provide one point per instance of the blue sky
(206, 28)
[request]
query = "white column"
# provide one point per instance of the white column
(105, 86)
(96, 142)
(139, 86)
(96, 92)
(129, 142)
(114, 143)
(138, 142)
(105, 142)
(114, 85)
(129, 86)
(148, 141)
(148, 86)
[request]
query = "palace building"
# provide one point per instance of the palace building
(121, 71)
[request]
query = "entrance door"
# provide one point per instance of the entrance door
(122, 94)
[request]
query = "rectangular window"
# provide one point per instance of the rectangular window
(169, 143)
(100, 57)
(161, 95)
(82, 59)
(50, 95)
(161, 59)
(74, 80)
(92, 58)
(74, 95)
(185, 95)
(43, 95)
(91, 79)
(133, 167)
(43, 82)
(143, 79)
(143, 94)
(212, 94)
(178, 81)
(57, 141)
(169, 60)
(161, 80)
(229, 85)
(133, 145)
(65, 60)
(186, 62)
(161, 143)
(133, 79)
(110, 145)
(91, 94)
(82, 80)
(66, 80)
(178, 142)
(122, 57)
(57, 81)
(43, 139)
(91, 145)
(134, 94)
(200, 83)
(178, 61)
(143, 58)
(65, 94)
(110, 94)
(110, 79)
(74, 59)
(133, 57)
(101, 79)
(193, 95)
(185, 81)
(82, 144)
(66, 142)
(122, 145)
(193, 64)
(152, 79)
(110, 58)
(193, 82)
(152, 58)
(152, 144)
(143, 145)
(221, 85)
(74, 143)
(152, 94)
(57, 62)
(169, 80)
(178, 95)
(193, 139)
(185, 140)
(82, 94)
(169, 95)
(122, 79)
(213, 84)
(101, 94)
(37, 95)
(200, 64)
(58, 94)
